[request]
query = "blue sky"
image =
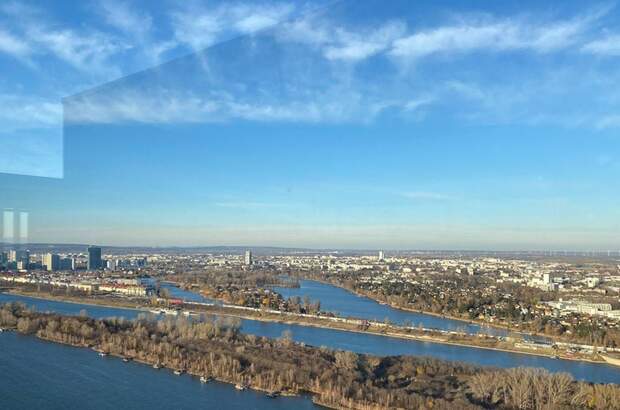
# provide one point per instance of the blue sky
(403, 125)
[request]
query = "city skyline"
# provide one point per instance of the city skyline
(396, 127)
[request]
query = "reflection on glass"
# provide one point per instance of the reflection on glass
(23, 227)
(8, 226)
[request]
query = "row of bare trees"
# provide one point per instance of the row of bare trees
(216, 347)
(527, 388)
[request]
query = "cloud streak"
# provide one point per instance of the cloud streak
(164, 106)
(25, 112)
(352, 46)
(12, 45)
(494, 36)
(340, 47)
(608, 46)
(200, 27)
(120, 15)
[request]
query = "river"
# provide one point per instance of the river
(367, 343)
(42, 375)
(347, 304)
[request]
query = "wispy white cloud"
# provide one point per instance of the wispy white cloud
(609, 46)
(139, 32)
(354, 46)
(26, 112)
(248, 18)
(175, 106)
(467, 35)
(345, 97)
(122, 16)
(84, 51)
(158, 106)
(36, 34)
(200, 27)
(12, 45)
(495, 35)
(339, 43)
(417, 103)
(307, 31)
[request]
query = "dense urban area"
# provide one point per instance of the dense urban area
(571, 301)
(576, 298)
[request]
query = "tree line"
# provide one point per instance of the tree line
(215, 347)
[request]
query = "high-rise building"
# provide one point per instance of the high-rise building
(67, 264)
(23, 256)
(94, 258)
(381, 256)
(248, 258)
(51, 261)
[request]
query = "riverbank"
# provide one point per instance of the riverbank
(339, 324)
(211, 348)
(152, 363)
(109, 383)
(477, 322)
(77, 300)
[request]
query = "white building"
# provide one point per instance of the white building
(248, 258)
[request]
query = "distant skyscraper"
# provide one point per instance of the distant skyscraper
(23, 256)
(94, 258)
(67, 264)
(51, 261)
(381, 256)
(248, 258)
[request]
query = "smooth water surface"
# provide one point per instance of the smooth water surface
(347, 304)
(40, 375)
(367, 343)
(178, 293)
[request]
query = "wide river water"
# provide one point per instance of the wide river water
(99, 376)
(347, 304)
(40, 375)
